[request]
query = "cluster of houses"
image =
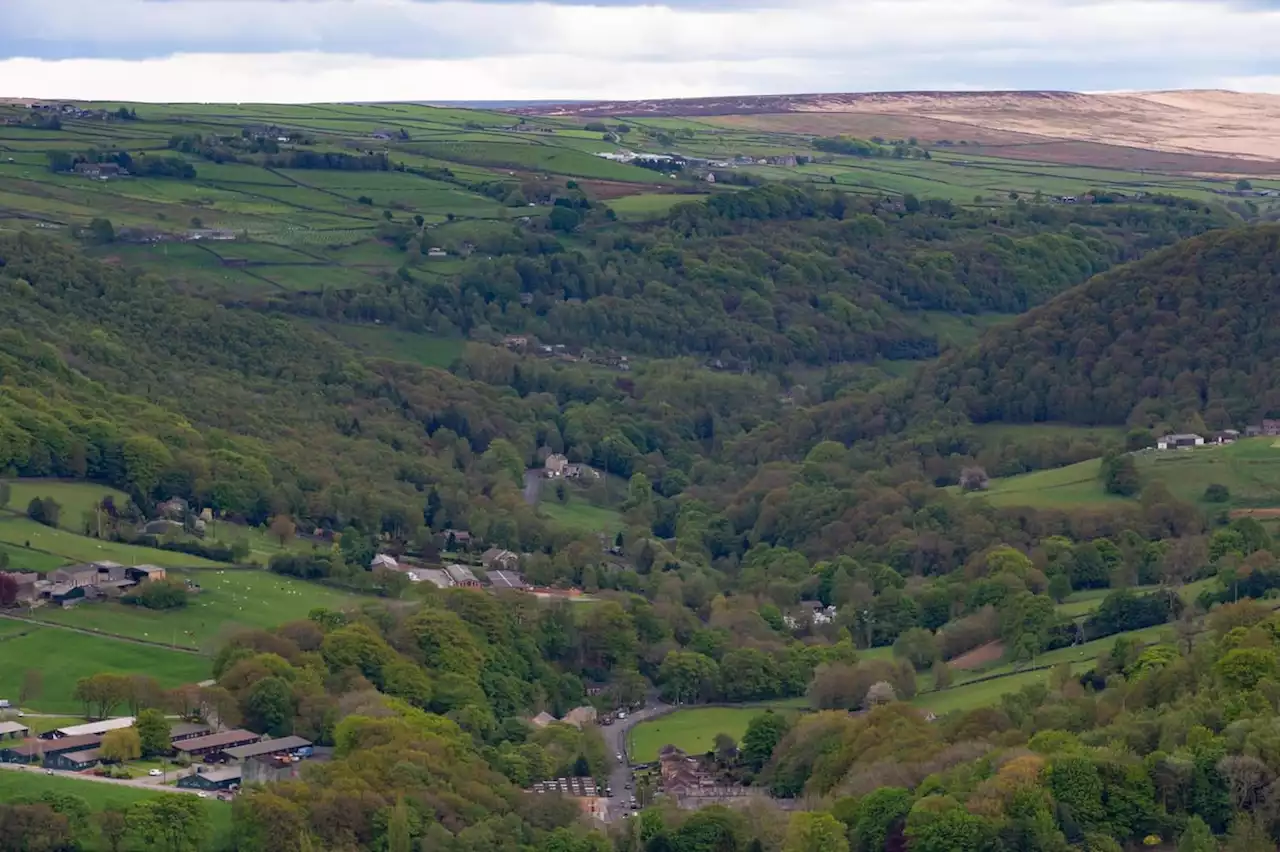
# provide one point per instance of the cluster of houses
(522, 344)
(812, 613)
(239, 755)
(500, 568)
(74, 583)
(687, 780)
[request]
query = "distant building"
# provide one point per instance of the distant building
(98, 171)
(267, 769)
(542, 720)
(1176, 442)
(461, 575)
(215, 743)
(26, 586)
(384, 561)
(434, 576)
(13, 731)
(555, 465)
(497, 558)
(267, 748)
(74, 761)
(580, 716)
(90, 728)
(1226, 436)
(212, 781)
(436, 251)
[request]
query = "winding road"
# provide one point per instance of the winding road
(615, 737)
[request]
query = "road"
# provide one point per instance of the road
(143, 783)
(532, 486)
(615, 738)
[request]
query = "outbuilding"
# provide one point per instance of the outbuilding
(213, 781)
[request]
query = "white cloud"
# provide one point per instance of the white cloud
(414, 50)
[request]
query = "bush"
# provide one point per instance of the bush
(1217, 494)
(159, 594)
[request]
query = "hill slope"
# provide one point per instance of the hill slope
(1183, 339)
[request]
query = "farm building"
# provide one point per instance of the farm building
(74, 761)
(33, 751)
(264, 748)
(269, 768)
(26, 592)
(460, 575)
(450, 539)
(90, 728)
(144, 573)
(99, 171)
(555, 465)
(215, 743)
(385, 562)
(580, 716)
(212, 781)
(1177, 442)
(500, 579)
(497, 558)
(434, 576)
(13, 731)
(188, 731)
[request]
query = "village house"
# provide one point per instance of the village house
(496, 557)
(1226, 436)
(1178, 442)
(554, 466)
(451, 539)
(461, 575)
(1268, 428)
(385, 562)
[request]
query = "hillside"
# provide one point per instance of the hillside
(1249, 469)
(1183, 339)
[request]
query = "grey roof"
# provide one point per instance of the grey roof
(266, 747)
(226, 738)
(460, 574)
(506, 580)
(1185, 437)
(186, 729)
(7, 728)
(89, 755)
(216, 776)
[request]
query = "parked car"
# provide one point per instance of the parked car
(155, 773)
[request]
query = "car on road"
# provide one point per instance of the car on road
(618, 756)
(622, 714)
(202, 794)
(155, 773)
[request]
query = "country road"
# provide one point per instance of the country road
(615, 738)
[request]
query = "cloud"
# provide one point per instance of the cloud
(298, 50)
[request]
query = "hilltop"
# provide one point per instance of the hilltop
(1191, 131)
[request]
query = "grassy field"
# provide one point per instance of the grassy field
(24, 534)
(1249, 468)
(20, 558)
(396, 345)
(99, 796)
(693, 730)
(228, 600)
(76, 498)
(63, 657)
(634, 208)
(581, 516)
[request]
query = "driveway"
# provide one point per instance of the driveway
(532, 486)
(615, 738)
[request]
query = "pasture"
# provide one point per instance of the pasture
(1250, 469)
(64, 656)
(26, 534)
(77, 499)
(16, 782)
(228, 600)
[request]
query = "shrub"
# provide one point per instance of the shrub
(1217, 494)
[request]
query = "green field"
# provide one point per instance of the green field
(397, 345)
(100, 795)
(1249, 468)
(632, 208)
(228, 600)
(580, 516)
(26, 534)
(64, 656)
(694, 730)
(76, 498)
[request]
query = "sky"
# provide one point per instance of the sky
(295, 51)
